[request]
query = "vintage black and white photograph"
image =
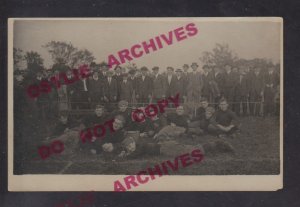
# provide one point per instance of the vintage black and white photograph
(118, 98)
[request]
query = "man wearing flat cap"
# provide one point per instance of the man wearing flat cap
(143, 87)
(158, 85)
(195, 84)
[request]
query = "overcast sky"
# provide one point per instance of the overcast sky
(256, 39)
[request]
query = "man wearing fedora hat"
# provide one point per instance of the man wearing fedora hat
(195, 84)
(143, 87)
(158, 85)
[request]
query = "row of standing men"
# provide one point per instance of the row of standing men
(244, 87)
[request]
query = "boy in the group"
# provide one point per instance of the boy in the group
(97, 118)
(123, 110)
(225, 121)
(201, 110)
(203, 122)
(114, 135)
(66, 131)
(114, 138)
(177, 125)
(200, 113)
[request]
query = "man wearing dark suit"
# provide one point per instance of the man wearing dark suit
(170, 82)
(82, 93)
(271, 81)
(180, 86)
(126, 89)
(208, 78)
(132, 80)
(229, 84)
(95, 89)
(159, 88)
(256, 86)
(185, 75)
(143, 87)
(102, 71)
(119, 79)
(195, 84)
(241, 93)
(110, 90)
(220, 82)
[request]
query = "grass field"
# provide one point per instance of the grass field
(256, 153)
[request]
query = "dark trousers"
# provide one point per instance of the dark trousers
(255, 103)
(240, 105)
(269, 103)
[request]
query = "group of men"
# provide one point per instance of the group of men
(221, 91)
(124, 137)
(248, 90)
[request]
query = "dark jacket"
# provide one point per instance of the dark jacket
(110, 90)
(126, 90)
(144, 88)
(170, 87)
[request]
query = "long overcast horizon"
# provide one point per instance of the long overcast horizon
(247, 39)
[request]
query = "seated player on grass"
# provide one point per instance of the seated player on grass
(203, 123)
(200, 113)
(112, 138)
(65, 130)
(154, 125)
(177, 125)
(123, 110)
(225, 121)
(90, 121)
